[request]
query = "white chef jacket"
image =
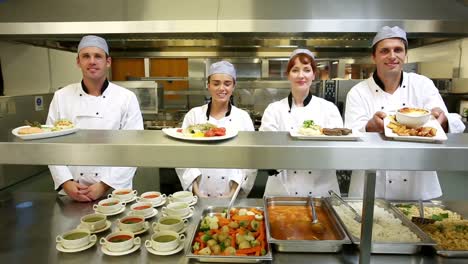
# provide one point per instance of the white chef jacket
(116, 108)
(366, 98)
(215, 182)
(278, 117)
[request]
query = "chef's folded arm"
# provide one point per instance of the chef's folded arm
(60, 174)
(119, 177)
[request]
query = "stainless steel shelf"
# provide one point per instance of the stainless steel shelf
(256, 150)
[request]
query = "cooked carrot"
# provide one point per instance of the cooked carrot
(243, 217)
(249, 250)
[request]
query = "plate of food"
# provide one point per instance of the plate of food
(430, 131)
(36, 130)
(201, 132)
(310, 130)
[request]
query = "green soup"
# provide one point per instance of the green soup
(179, 207)
(165, 238)
(92, 219)
(74, 236)
(170, 221)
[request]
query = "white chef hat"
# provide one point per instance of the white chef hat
(93, 41)
(299, 51)
(224, 67)
(390, 32)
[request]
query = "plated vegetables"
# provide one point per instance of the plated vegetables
(242, 235)
(309, 128)
(203, 130)
(36, 127)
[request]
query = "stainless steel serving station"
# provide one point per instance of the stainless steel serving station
(30, 221)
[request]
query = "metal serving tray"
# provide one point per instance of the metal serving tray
(459, 207)
(389, 247)
(211, 211)
(305, 245)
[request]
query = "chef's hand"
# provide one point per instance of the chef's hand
(97, 190)
(196, 189)
(441, 117)
(376, 124)
(75, 190)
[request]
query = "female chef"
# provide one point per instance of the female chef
(289, 115)
(219, 111)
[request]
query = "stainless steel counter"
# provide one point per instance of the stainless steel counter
(30, 221)
(256, 150)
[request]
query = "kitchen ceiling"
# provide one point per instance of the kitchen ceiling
(334, 28)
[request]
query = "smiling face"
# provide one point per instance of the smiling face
(93, 63)
(221, 87)
(301, 75)
(389, 56)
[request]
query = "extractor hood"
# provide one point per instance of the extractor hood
(225, 25)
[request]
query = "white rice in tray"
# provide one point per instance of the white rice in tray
(386, 227)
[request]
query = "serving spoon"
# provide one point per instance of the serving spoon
(316, 225)
(233, 198)
(356, 217)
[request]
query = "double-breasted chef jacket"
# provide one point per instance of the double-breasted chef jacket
(215, 182)
(368, 97)
(283, 115)
(116, 108)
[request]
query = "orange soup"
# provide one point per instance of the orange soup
(151, 196)
(122, 192)
(294, 222)
(143, 207)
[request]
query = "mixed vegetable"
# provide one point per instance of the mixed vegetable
(203, 130)
(242, 235)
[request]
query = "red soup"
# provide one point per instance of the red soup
(151, 196)
(131, 220)
(120, 238)
(122, 192)
(143, 207)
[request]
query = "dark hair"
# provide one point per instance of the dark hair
(374, 48)
(304, 59)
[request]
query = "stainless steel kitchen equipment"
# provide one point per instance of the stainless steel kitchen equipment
(390, 247)
(148, 95)
(305, 245)
(213, 211)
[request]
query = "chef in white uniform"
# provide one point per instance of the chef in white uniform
(95, 103)
(220, 183)
(388, 90)
(289, 115)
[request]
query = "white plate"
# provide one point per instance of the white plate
(111, 213)
(172, 132)
(155, 212)
(44, 134)
(125, 201)
(193, 202)
(183, 217)
(108, 225)
(355, 135)
(119, 253)
(440, 135)
(166, 253)
(184, 228)
(67, 250)
(163, 201)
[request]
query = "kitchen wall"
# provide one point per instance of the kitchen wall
(32, 70)
(442, 60)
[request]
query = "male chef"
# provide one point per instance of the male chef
(387, 90)
(94, 103)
